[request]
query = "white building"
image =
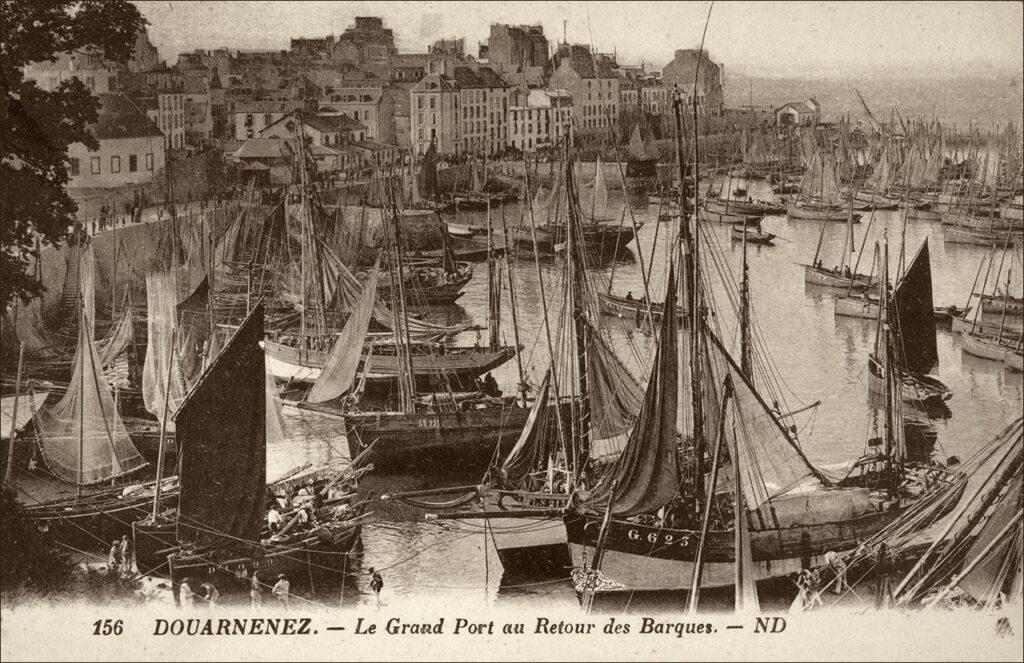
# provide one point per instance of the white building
(542, 121)
(251, 117)
(131, 148)
(91, 69)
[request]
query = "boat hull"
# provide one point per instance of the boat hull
(818, 214)
(729, 218)
(459, 367)
(528, 547)
(824, 277)
(454, 439)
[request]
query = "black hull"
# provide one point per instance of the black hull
(320, 561)
(550, 561)
(152, 545)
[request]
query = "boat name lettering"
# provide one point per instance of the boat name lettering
(665, 539)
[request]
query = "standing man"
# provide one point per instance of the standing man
(376, 583)
(126, 554)
(282, 591)
(211, 595)
(185, 592)
(114, 558)
(255, 591)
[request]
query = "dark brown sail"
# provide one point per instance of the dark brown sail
(222, 436)
(912, 315)
(646, 476)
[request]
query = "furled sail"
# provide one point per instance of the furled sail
(221, 431)
(161, 298)
(912, 315)
(646, 476)
(615, 396)
(82, 438)
(339, 371)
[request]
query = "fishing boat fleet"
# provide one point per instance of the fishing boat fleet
(679, 473)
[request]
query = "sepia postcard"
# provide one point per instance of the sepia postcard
(563, 330)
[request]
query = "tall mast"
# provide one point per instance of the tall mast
(303, 277)
(493, 288)
(746, 359)
(407, 384)
(512, 304)
(575, 269)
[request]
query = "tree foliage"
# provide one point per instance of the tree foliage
(37, 126)
(31, 561)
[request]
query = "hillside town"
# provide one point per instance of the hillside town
(363, 103)
(513, 325)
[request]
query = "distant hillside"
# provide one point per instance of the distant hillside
(987, 102)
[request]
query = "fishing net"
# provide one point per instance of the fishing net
(161, 359)
(82, 438)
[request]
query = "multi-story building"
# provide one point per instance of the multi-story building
(682, 69)
(166, 109)
(144, 54)
(593, 84)
(541, 121)
(434, 114)
(90, 68)
(654, 97)
(131, 148)
(249, 118)
(517, 45)
(372, 105)
(455, 47)
(484, 108)
(367, 42)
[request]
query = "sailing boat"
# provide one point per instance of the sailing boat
(843, 276)
(911, 334)
(1002, 343)
(222, 431)
(605, 237)
(449, 428)
(647, 525)
(819, 198)
(83, 442)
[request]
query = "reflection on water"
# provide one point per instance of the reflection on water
(816, 355)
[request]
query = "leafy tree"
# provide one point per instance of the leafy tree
(37, 126)
(31, 561)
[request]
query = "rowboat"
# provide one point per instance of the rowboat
(834, 279)
(751, 235)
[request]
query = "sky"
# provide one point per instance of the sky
(763, 38)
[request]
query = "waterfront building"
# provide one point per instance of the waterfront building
(593, 84)
(131, 148)
(541, 121)
(434, 114)
(166, 109)
(805, 113)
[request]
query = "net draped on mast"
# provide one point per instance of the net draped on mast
(82, 438)
(161, 298)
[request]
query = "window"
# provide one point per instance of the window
(133, 163)
(419, 102)
(267, 119)
(94, 165)
(149, 161)
(115, 164)
(74, 166)
(431, 103)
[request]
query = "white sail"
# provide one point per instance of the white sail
(339, 370)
